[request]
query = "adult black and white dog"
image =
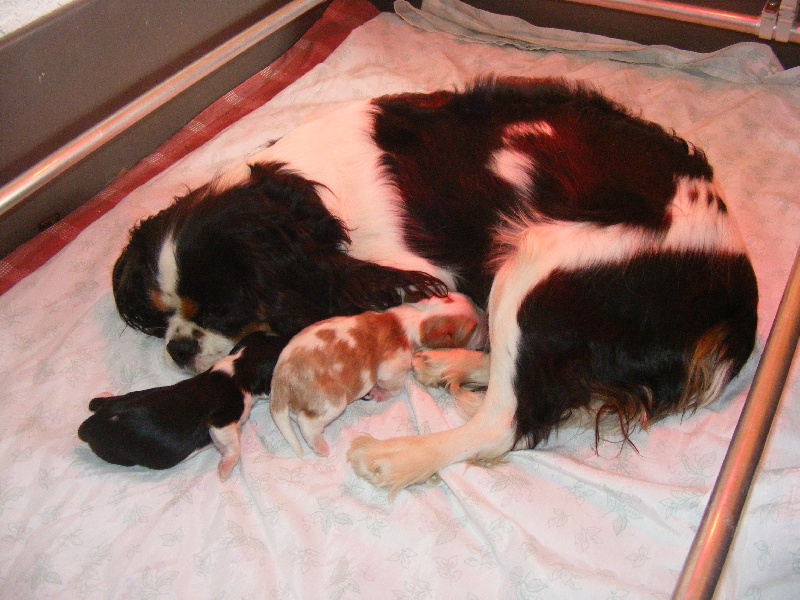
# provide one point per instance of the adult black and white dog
(599, 243)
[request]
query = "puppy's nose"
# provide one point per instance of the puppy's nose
(182, 350)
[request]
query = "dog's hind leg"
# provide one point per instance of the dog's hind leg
(279, 409)
(312, 429)
(313, 424)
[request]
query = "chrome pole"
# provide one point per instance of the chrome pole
(72, 153)
(710, 17)
(708, 552)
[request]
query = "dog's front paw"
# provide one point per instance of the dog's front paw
(451, 367)
(364, 464)
(429, 367)
(395, 463)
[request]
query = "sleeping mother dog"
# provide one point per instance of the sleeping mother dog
(600, 244)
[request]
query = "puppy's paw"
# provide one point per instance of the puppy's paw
(227, 441)
(380, 394)
(395, 463)
(102, 399)
(320, 447)
(226, 465)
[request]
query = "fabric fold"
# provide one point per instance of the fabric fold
(745, 62)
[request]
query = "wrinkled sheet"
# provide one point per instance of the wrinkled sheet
(562, 521)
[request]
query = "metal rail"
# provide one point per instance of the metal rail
(709, 550)
(775, 21)
(106, 130)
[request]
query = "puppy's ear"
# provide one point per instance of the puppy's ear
(447, 332)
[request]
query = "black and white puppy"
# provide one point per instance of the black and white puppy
(158, 428)
(600, 243)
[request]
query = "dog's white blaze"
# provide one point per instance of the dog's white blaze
(168, 274)
(212, 344)
(514, 167)
(353, 184)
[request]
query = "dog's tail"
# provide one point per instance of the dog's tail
(279, 409)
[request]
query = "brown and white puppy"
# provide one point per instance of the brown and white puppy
(333, 363)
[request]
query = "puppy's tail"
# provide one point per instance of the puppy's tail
(279, 409)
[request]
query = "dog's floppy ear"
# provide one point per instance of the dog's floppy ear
(447, 331)
(319, 266)
(363, 285)
(316, 226)
(133, 279)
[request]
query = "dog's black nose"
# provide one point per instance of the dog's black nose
(182, 350)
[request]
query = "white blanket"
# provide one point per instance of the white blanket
(562, 521)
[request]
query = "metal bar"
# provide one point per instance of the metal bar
(687, 13)
(72, 153)
(709, 550)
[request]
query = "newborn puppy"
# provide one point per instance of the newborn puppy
(332, 363)
(158, 428)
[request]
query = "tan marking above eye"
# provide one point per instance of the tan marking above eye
(157, 300)
(189, 308)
